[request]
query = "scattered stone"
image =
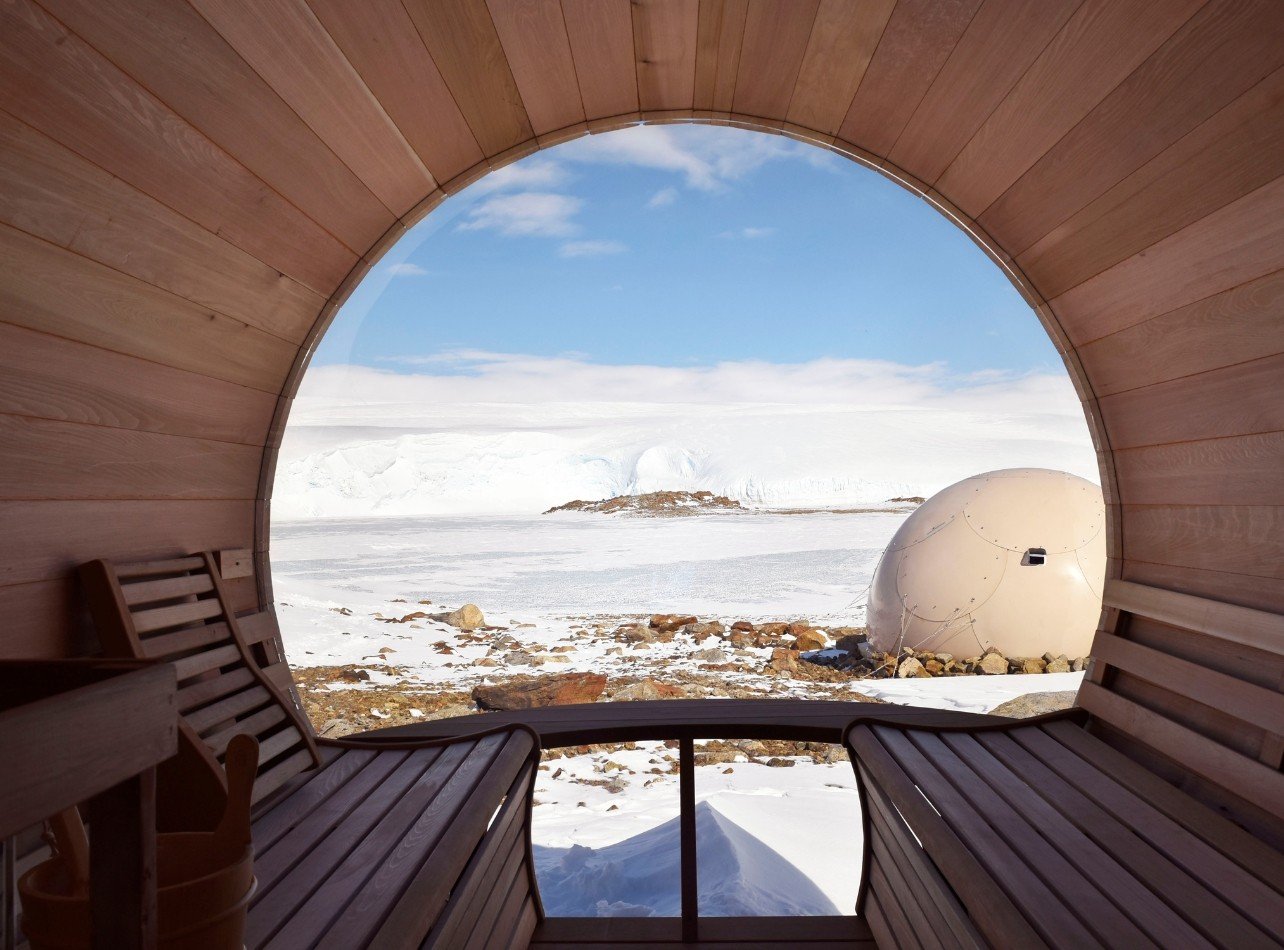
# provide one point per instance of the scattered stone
(992, 662)
(1080, 664)
(702, 631)
(342, 611)
(776, 762)
(1035, 704)
(743, 625)
(783, 660)
(911, 667)
(1058, 664)
(656, 503)
(809, 640)
(671, 623)
(555, 690)
(1029, 664)
(354, 675)
(467, 617)
(648, 689)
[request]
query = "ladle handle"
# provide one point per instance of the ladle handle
(73, 847)
(241, 764)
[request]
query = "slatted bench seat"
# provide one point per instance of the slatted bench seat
(401, 844)
(1116, 824)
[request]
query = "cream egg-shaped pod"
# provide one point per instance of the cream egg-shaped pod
(1013, 560)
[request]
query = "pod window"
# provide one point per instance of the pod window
(1034, 557)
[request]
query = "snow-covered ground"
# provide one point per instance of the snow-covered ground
(773, 840)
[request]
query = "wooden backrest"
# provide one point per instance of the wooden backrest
(177, 611)
(1192, 688)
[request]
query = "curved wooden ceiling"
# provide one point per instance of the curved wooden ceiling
(187, 187)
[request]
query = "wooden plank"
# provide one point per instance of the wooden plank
(664, 41)
(1236, 244)
(412, 885)
(601, 36)
(48, 377)
(1234, 152)
(122, 865)
(46, 459)
(252, 726)
(1259, 629)
(159, 618)
(235, 705)
(1249, 779)
(206, 691)
(498, 916)
(58, 292)
(156, 567)
(234, 563)
(1235, 326)
(838, 53)
(380, 40)
(272, 778)
(1170, 881)
(248, 119)
(466, 49)
(287, 45)
(54, 194)
(776, 36)
(1234, 400)
(207, 660)
(168, 644)
(538, 51)
(1261, 708)
(720, 32)
(1238, 470)
(45, 620)
(298, 801)
(258, 627)
(321, 891)
(1245, 540)
(279, 743)
(1100, 46)
(894, 889)
(169, 588)
(914, 46)
(688, 860)
(54, 81)
(1000, 43)
(1217, 55)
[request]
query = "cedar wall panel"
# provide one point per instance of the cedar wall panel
(177, 203)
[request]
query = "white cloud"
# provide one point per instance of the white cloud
(590, 248)
(748, 233)
(707, 157)
(533, 172)
(536, 213)
(406, 269)
(663, 198)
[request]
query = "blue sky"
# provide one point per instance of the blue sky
(687, 246)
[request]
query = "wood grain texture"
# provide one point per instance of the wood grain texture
(1236, 470)
(1235, 400)
(719, 35)
(1238, 539)
(1259, 593)
(462, 40)
(54, 81)
(776, 36)
(126, 463)
(248, 118)
(54, 194)
(842, 43)
(1218, 54)
(1001, 42)
(1096, 50)
(538, 50)
(664, 42)
(601, 37)
(287, 45)
(1234, 245)
(62, 293)
(1225, 623)
(380, 41)
(917, 41)
(48, 377)
(1236, 326)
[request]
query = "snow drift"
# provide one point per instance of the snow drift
(739, 876)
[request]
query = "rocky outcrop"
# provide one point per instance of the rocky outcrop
(1035, 704)
(655, 504)
(467, 617)
(531, 693)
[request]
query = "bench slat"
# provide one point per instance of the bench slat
(269, 781)
(1246, 701)
(498, 916)
(225, 709)
(1259, 629)
(165, 645)
(168, 566)
(278, 742)
(176, 615)
(253, 725)
(281, 898)
(168, 588)
(257, 627)
(205, 661)
(206, 691)
(1022, 832)
(1025, 890)
(890, 880)
(1245, 777)
(308, 791)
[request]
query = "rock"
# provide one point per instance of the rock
(1031, 664)
(797, 628)
(992, 663)
(669, 623)
(485, 661)
(467, 617)
(851, 642)
(778, 763)
(743, 625)
(522, 658)
(555, 690)
(647, 689)
(636, 633)
(354, 676)
(911, 667)
(741, 639)
(703, 631)
(447, 712)
(934, 667)
(782, 661)
(1035, 704)
(810, 640)
(1058, 664)
(712, 655)
(1080, 664)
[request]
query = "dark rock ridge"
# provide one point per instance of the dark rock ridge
(664, 503)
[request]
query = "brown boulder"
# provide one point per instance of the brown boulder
(810, 640)
(910, 667)
(992, 663)
(1058, 664)
(782, 661)
(744, 625)
(669, 623)
(648, 689)
(1030, 664)
(798, 628)
(703, 631)
(467, 617)
(555, 690)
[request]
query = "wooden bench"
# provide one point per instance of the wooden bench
(404, 844)
(1151, 816)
